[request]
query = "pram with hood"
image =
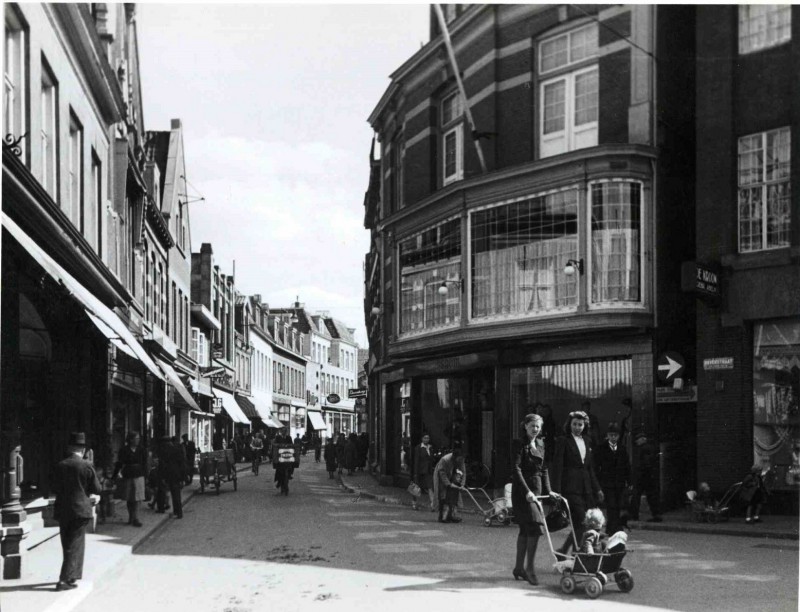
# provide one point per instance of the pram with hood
(589, 570)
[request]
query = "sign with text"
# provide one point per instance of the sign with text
(669, 395)
(356, 393)
(701, 279)
(718, 363)
(333, 398)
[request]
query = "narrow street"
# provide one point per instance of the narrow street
(322, 548)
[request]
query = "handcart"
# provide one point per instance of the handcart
(720, 511)
(493, 510)
(217, 467)
(590, 570)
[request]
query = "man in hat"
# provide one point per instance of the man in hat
(172, 472)
(645, 478)
(75, 480)
(613, 473)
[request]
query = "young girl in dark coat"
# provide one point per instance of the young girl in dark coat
(754, 493)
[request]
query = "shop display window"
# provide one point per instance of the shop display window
(519, 252)
(776, 395)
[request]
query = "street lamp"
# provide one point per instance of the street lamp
(572, 265)
(442, 290)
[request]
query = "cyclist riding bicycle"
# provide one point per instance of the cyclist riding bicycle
(257, 448)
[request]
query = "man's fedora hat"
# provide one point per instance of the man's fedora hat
(77, 438)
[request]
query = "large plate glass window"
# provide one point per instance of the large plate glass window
(615, 238)
(568, 94)
(427, 260)
(764, 190)
(519, 251)
(452, 138)
(764, 25)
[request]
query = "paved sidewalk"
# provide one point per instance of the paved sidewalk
(780, 527)
(114, 542)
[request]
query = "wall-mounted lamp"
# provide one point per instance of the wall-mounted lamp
(377, 309)
(572, 266)
(442, 290)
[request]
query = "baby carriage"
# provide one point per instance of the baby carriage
(703, 512)
(493, 510)
(589, 570)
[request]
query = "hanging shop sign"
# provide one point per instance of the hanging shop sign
(356, 393)
(718, 363)
(333, 398)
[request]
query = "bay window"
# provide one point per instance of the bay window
(519, 251)
(764, 25)
(427, 260)
(615, 210)
(568, 94)
(764, 193)
(452, 139)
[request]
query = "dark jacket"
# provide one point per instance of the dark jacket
(423, 461)
(351, 453)
(571, 476)
(131, 463)
(613, 467)
(171, 463)
(528, 473)
(646, 465)
(330, 456)
(75, 479)
(190, 450)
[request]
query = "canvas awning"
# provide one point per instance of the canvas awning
(262, 408)
(231, 407)
(175, 381)
(317, 422)
(93, 306)
(248, 407)
(273, 422)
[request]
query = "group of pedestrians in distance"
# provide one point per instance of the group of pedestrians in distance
(346, 453)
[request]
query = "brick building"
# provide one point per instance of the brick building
(531, 253)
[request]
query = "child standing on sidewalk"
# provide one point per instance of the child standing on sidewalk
(754, 494)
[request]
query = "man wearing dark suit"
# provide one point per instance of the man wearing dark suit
(572, 473)
(190, 450)
(172, 472)
(75, 479)
(614, 474)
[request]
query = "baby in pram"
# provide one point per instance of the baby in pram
(595, 540)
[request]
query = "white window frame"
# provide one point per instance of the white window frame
(455, 127)
(48, 137)
(568, 35)
(571, 133)
(764, 184)
(643, 238)
(764, 12)
(14, 78)
(74, 200)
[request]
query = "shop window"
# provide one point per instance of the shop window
(615, 241)
(764, 190)
(427, 261)
(568, 94)
(519, 251)
(452, 128)
(764, 25)
(776, 401)
(15, 89)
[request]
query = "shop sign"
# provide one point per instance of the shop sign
(701, 279)
(718, 363)
(216, 403)
(670, 366)
(670, 395)
(333, 398)
(356, 393)
(450, 364)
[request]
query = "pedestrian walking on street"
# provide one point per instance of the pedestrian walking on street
(614, 474)
(340, 443)
(132, 466)
(363, 450)
(443, 479)
(645, 478)
(172, 473)
(572, 474)
(330, 457)
(317, 448)
(351, 453)
(423, 470)
(529, 478)
(190, 450)
(754, 493)
(75, 480)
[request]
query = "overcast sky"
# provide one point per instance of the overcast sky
(274, 101)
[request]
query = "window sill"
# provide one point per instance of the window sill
(761, 259)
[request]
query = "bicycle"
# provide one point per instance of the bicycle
(256, 463)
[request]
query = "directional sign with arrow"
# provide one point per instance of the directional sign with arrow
(670, 366)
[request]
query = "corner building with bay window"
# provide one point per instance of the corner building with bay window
(527, 234)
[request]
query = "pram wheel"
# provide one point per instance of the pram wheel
(624, 580)
(603, 578)
(593, 587)
(567, 584)
(487, 521)
(502, 517)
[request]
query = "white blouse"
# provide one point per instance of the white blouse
(581, 446)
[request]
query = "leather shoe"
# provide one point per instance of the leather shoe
(136, 523)
(65, 586)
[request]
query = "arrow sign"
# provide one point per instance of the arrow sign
(670, 366)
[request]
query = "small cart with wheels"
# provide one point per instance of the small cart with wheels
(217, 467)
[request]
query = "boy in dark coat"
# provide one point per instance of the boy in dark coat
(614, 473)
(75, 480)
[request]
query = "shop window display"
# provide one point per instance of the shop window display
(776, 400)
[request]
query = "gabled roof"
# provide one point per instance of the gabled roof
(338, 330)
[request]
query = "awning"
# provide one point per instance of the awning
(201, 387)
(317, 422)
(176, 382)
(231, 407)
(111, 335)
(261, 408)
(90, 303)
(247, 407)
(273, 422)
